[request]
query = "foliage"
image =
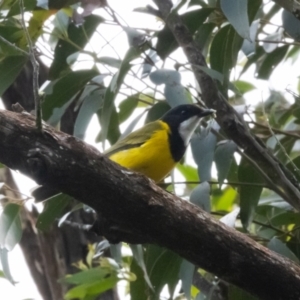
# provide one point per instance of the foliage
(139, 80)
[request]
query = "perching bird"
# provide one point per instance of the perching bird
(154, 149)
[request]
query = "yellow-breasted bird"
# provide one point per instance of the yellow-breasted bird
(154, 149)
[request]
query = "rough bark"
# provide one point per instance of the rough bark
(136, 210)
(49, 255)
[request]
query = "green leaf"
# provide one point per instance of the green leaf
(157, 111)
(174, 92)
(224, 199)
(287, 217)
(203, 35)
(249, 195)
(10, 67)
(166, 42)
(201, 196)
(224, 50)
(78, 35)
(248, 47)
(116, 252)
(223, 158)
(190, 173)
(91, 104)
(53, 210)
(291, 24)
(61, 23)
(244, 86)
(132, 125)
(87, 276)
(271, 61)
(36, 26)
(112, 90)
(237, 14)
(278, 246)
(127, 107)
(203, 147)
(85, 290)
(5, 265)
(162, 266)
(10, 226)
(59, 93)
(138, 255)
(113, 129)
(254, 58)
(14, 8)
(186, 274)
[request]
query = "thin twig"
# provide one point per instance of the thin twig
(282, 232)
(35, 65)
(234, 183)
(289, 133)
(277, 42)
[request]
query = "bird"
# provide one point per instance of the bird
(154, 149)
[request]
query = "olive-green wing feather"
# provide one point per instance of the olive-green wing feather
(135, 139)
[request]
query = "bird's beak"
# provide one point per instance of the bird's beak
(207, 112)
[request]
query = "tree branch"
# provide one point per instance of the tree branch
(135, 207)
(230, 121)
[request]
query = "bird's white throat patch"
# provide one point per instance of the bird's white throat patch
(187, 127)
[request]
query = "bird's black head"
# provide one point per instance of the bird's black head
(181, 113)
(183, 120)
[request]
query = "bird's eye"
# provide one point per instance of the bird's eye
(183, 112)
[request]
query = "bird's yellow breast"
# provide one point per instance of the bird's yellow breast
(153, 158)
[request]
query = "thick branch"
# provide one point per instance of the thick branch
(136, 207)
(227, 117)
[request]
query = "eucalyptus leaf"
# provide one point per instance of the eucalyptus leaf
(203, 147)
(249, 194)
(201, 196)
(59, 93)
(186, 274)
(79, 37)
(174, 92)
(53, 210)
(278, 246)
(10, 67)
(5, 265)
(10, 226)
(291, 24)
(113, 89)
(89, 107)
(138, 255)
(271, 61)
(223, 158)
(157, 111)
(237, 14)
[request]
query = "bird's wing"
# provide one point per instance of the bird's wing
(135, 139)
